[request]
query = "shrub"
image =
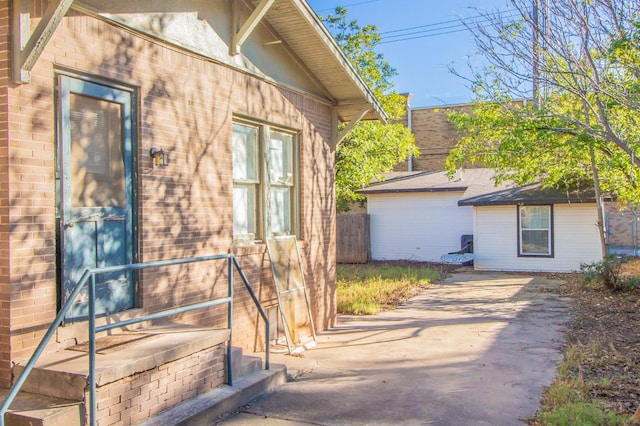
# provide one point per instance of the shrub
(608, 271)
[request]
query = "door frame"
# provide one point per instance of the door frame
(131, 181)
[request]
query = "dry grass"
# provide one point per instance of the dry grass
(377, 286)
(598, 383)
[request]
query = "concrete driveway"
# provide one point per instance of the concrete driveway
(476, 349)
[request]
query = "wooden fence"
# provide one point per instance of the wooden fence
(353, 238)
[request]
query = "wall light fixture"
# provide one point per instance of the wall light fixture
(159, 157)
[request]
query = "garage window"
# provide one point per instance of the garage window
(535, 231)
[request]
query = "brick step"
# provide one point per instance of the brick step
(64, 374)
(138, 374)
(250, 381)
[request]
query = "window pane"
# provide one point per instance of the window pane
(254, 159)
(97, 166)
(245, 153)
(244, 199)
(535, 230)
(280, 158)
(280, 210)
(534, 217)
(535, 242)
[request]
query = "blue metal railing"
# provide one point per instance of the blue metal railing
(89, 277)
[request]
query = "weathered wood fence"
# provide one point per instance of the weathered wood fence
(353, 238)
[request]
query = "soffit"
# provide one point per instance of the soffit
(300, 28)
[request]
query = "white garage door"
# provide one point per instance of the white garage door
(417, 226)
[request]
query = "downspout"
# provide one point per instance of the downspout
(635, 232)
(335, 123)
(409, 125)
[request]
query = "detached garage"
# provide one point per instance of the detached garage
(420, 216)
(415, 215)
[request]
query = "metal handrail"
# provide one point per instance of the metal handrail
(89, 276)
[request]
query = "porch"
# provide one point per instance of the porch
(146, 375)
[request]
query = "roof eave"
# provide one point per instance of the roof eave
(347, 107)
(412, 190)
(529, 202)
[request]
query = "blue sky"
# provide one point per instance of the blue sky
(422, 61)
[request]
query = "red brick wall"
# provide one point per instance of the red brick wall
(623, 227)
(5, 358)
(134, 399)
(185, 106)
(435, 136)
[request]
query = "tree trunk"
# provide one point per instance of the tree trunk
(596, 186)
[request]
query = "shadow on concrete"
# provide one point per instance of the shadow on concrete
(476, 349)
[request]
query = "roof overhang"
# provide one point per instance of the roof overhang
(532, 194)
(302, 30)
(366, 191)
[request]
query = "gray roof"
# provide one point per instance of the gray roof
(530, 194)
(478, 187)
(471, 182)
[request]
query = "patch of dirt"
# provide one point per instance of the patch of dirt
(606, 327)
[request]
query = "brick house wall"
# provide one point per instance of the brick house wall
(186, 104)
(435, 136)
(5, 344)
(623, 226)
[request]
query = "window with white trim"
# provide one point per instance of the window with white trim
(535, 231)
(265, 179)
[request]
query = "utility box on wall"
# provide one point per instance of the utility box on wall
(466, 240)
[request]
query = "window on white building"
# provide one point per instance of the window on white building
(535, 237)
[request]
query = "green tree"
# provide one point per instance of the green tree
(581, 125)
(525, 144)
(371, 148)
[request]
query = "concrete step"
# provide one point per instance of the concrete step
(250, 382)
(242, 365)
(126, 364)
(37, 410)
(60, 379)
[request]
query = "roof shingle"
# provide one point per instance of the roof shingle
(478, 188)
